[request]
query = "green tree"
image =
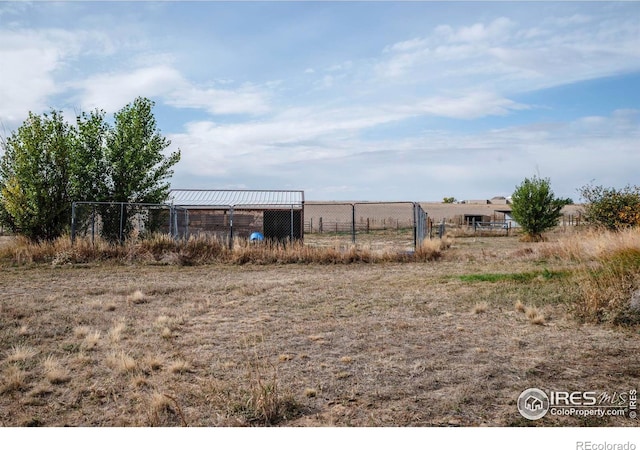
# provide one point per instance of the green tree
(48, 163)
(449, 200)
(612, 208)
(35, 177)
(89, 164)
(137, 171)
(535, 207)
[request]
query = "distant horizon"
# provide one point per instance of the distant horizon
(371, 100)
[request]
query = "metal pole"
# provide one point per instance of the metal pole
(291, 226)
(415, 226)
(353, 223)
(73, 223)
(186, 222)
(121, 220)
(231, 228)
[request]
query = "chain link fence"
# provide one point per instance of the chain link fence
(118, 221)
(383, 226)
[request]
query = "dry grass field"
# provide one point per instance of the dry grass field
(450, 342)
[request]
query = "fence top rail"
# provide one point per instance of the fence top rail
(142, 205)
(347, 203)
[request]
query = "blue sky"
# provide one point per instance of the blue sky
(348, 100)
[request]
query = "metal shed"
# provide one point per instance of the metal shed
(226, 213)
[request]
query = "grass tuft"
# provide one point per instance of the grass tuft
(533, 314)
(137, 297)
(480, 308)
(19, 353)
(13, 379)
(121, 362)
(55, 373)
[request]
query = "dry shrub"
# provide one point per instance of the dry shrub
(480, 308)
(534, 316)
(164, 410)
(607, 288)
(90, 341)
(81, 332)
(55, 373)
(519, 306)
(21, 353)
(13, 379)
(115, 332)
(608, 272)
(121, 362)
(180, 366)
(137, 297)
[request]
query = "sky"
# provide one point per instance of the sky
(384, 100)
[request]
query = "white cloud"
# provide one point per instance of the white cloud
(32, 63)
(509, 57)
(474, 105)
(244, 100)
(111, 91)
(437, 164)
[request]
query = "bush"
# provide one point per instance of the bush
(611, 208)
(535, 207)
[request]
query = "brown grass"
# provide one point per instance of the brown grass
(55, 372)
(205, 250)
(480, 308)
(386, 344)
(13, 379)
(21, 353)
(121, 361)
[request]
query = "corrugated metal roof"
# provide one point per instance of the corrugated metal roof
(237, 198)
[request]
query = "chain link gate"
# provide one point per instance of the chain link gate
(380, 226)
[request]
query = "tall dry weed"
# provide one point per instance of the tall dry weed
(608, 272)
(205, 249)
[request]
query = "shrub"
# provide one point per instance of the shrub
(612, 208)
(535, 207)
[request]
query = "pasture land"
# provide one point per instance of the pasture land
(451, 342)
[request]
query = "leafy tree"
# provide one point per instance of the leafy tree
(449, 200)
(35, 177)
(137, 171)
(89, 164)
(535, 207)
(612, 208)
(48, 163)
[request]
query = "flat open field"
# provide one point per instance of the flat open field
(384, 344)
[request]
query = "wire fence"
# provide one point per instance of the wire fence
(118, 221)
(385, 226)
(378, 225)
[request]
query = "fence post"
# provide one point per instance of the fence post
(121, 220)
(353, 223)
(320, 225)
(73, 223)
(231, 228)
(291, 226)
